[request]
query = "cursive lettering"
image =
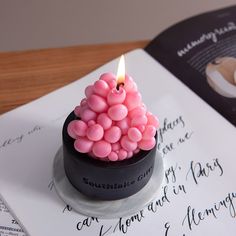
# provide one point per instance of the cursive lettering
(170, 125)
(194, 217)
(198, 170)
(154, 206)
(209, 36)
(18, 139)
(87, 222)
(124, 224)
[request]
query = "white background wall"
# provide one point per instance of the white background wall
(32, 24)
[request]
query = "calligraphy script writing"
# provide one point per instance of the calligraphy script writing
(168, 127)
(19, 138)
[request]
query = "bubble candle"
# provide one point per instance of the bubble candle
(110, 139)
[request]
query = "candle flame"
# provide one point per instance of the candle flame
(120, 78)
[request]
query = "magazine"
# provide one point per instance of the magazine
(201, 52)
(197, 196)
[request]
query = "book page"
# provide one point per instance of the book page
(196, 197)
(201, 52)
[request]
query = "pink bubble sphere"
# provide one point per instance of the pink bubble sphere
(127, 144)
(129, 84)
(147, 144)
(141, 128)
(152, 120)
(80, 128)
(113, 134)
(137, 111)
(77, 111)
(134, 134)
(113, 156)
(83, 145)
(117, 112)
(122, 154)
(116, 96)
(97, 103)
(115, 146)
(130, 154)
(83, 102)
(133, 100)
(101, 88)
(95, 132)
(91, 122)
(87, 115)
(89, 91)
(149, 132)
(109, 78)
(71, 129)
(104, 120)
(101, 149)
(136, 150)
(124, 125)
(139, 120)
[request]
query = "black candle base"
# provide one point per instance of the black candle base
(105, 180)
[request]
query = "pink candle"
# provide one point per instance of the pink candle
(114, 123)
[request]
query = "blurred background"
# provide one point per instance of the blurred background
(32, 24)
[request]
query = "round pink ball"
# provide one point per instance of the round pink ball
(115, 146)
(152, 120)
(116, 96)
(117, 112)
(87, 115)
(80, 128)
(89, 91)
(104, 120)
(101, 88)
(107, 77)
(122, 154)
(77, 111)
(130, 154)
(132, 100)
(113, 156)
(128, 84)
(113, 134)
(83, 102)
(110, 79)
(127, 144)
(95, 132)
(147, 144)
(141, 128)
(134, 134)
(139, 120)
(97, 103)
(149, 132)
(124, 125)
(101, 149)
(83, 145)
(137, 111)
(71, 129)
(91, 122)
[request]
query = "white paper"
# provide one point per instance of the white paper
(197, 196)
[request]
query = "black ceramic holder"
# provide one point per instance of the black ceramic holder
(105, 180)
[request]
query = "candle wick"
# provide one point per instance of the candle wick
(118, 86)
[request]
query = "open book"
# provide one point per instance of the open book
(201, 52)
(197, 195)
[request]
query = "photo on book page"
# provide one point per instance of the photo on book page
(201, 52)
(8, 225)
